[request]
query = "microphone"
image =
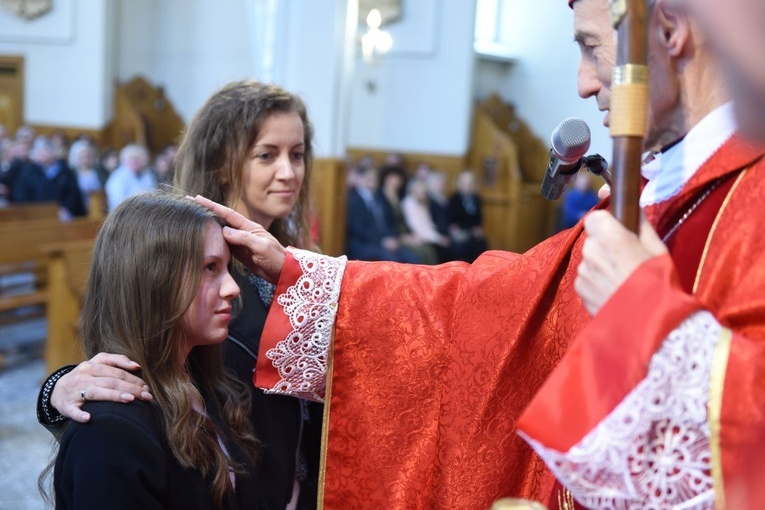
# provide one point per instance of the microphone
(570, 141)
(598, 165)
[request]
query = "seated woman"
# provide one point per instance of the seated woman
(160, 292)
(82, 161)
(415, 208)
(392, 183)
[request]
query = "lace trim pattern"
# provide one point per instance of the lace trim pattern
(311, 305)
(653, 450)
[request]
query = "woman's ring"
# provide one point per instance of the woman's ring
(82, 394)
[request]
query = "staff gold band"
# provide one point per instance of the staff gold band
(630, 74)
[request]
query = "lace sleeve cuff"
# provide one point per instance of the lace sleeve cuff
(653, 450)
(47, 415)
(299, 327)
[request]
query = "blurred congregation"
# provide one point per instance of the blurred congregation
(76, 175)
(392, 216)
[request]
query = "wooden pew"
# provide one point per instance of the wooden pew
(20, 250)
(68, 266)
(15, 213)
(31, 211)
(97, 205)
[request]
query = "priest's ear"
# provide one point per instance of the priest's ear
(672, 27)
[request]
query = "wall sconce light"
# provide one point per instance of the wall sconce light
(375, 42)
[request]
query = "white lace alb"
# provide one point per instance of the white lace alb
(311, 305)
(653, 450)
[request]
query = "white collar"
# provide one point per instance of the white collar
(669, 171)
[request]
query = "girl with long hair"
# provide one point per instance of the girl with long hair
(159, 292)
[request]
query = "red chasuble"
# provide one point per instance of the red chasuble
(610, 357)
(432, 366)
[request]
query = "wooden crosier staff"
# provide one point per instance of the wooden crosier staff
(629, 107)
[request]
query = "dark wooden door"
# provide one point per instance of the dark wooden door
(11, 92)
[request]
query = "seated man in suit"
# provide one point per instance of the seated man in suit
(48, 179)
(369, 233)
(466, 219)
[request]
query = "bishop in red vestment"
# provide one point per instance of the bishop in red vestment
(661, 398)
(431, 366)
(671, 365)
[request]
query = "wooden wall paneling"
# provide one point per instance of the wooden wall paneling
(144, 115)
(517, 217)
(71, 132)
(494, 158)
(535, 217)
(450, 165)
(164, 125)
(328, 189)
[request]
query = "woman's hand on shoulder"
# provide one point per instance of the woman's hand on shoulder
(103, 377)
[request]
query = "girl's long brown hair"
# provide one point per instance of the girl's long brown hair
(146, 268)
(217, 143)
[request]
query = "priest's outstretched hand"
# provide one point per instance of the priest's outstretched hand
(609, 256)
(253, 245)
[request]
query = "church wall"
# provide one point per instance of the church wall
(541, 81)
(190, 47)
(195, 46)
(418, 98)
(66, 63)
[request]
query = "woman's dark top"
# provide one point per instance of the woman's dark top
(288, 428)
(121, 460)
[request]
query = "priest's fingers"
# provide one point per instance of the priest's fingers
(101, 378)
(260, 252)
(233, 218)
(615, 244)
(230, 216)
(603, 226)
(253, 245)
(650, 239)
(609, 255)
(591, 287)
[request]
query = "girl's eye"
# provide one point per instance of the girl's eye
(211, 267)
(298, 155)
(264, 156)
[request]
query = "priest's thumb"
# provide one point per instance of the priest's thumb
(650, 239)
